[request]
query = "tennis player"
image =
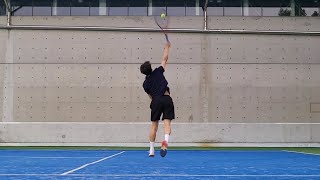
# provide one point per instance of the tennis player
(156, 86)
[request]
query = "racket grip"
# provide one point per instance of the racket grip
(167, 38)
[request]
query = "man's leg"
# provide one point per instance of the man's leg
(152, 136)
(167, 132)
(167, 129)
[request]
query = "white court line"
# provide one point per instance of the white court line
(169, 175)
(301, 152)
(83, 166)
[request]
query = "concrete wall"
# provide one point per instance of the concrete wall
(85, 86)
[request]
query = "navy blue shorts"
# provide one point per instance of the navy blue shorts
(162, 105)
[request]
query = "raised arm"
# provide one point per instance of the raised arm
(165, 55)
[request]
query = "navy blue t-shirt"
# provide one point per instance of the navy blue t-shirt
(156, 84)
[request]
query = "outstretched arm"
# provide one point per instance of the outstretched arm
(165, 55)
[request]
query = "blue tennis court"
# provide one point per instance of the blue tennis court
(178, 164)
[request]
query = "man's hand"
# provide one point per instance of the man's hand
(168, 45)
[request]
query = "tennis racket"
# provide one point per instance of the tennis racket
(162, 20)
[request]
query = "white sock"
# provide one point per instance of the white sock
(151, 151)
(166, 137)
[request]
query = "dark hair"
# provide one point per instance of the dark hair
(145, 68)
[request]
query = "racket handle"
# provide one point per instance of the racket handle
(167, 38)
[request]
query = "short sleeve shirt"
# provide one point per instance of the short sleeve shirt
(156, 84)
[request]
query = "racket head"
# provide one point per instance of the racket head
(162, 22)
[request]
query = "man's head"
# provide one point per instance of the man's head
(145, 68)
